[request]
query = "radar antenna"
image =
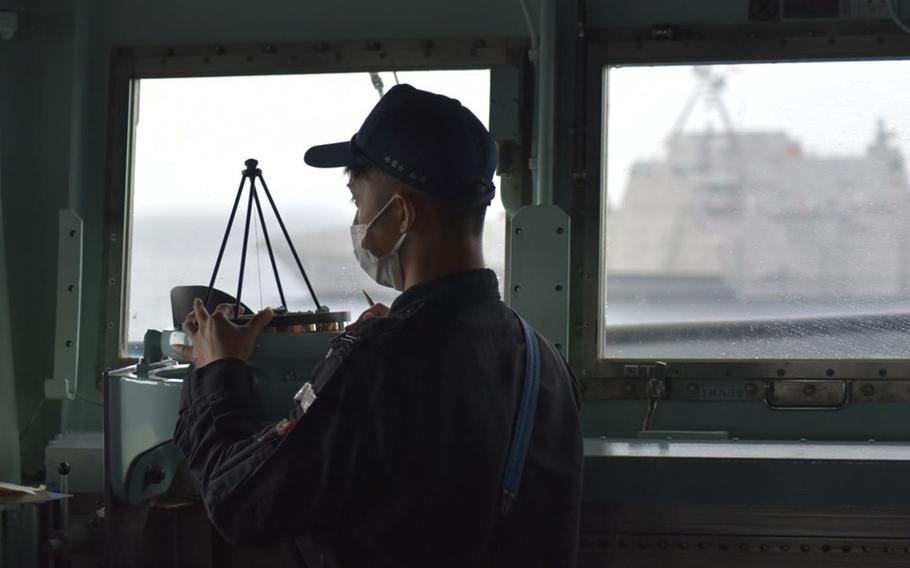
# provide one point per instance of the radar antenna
(710, 86)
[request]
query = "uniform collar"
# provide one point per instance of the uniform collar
(479, 284)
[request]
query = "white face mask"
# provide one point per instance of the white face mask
(385, 270)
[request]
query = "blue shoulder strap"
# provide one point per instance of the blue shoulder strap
(524, 423)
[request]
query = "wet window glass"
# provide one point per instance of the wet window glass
(191, 140)
(757, 211)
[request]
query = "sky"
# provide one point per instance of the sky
(830, 108)
(194, 134)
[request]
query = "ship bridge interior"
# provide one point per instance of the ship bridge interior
(702, 205)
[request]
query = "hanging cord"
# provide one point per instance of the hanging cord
(530, 23)
(32, 419)
(892, 9)
(89, 401)
(258, 268)
(395, 74)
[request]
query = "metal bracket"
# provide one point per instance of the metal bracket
(539, 270)
(69, 292)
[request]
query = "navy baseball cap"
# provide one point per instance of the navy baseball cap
(429, 141)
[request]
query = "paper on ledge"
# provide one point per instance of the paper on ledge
(13, 489)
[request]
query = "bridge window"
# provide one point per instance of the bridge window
(758, 211)
(191, 140)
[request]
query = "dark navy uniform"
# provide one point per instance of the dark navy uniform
(399, 460)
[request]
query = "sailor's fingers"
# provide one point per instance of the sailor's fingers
(200, 312)
(219, 318)
(184, 353)
(378, 310)
(228, 309)
(190, 326)
(260, 321)
(375, 311)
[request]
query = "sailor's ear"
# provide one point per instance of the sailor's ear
(408, 215)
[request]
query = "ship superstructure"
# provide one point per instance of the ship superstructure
(752, 216)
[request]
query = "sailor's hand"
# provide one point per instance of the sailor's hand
(216, 337)
(375, 311)
(184, 353)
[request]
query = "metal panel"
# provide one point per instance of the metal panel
(64, 383)
(123, 114)
(9, 425)
(505, 110)
(744, 512)
(325, 57)
(756, 42)
(744, 482)
(752, 420)
(744, 449)
(84, 452)
(510, 127)
(146, 22)
(141, 416)
(539, 270)
(603, 14)
(755, 536)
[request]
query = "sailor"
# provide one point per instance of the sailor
(442, 431)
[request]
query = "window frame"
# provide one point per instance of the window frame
(609, 378)
(505, 57)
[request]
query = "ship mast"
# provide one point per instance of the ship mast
(709, 86)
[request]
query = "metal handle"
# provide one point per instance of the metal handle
(808, 395)
(656, 389)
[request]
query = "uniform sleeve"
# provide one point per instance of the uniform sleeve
(261, 486)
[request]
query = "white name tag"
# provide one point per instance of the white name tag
(306, 396)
